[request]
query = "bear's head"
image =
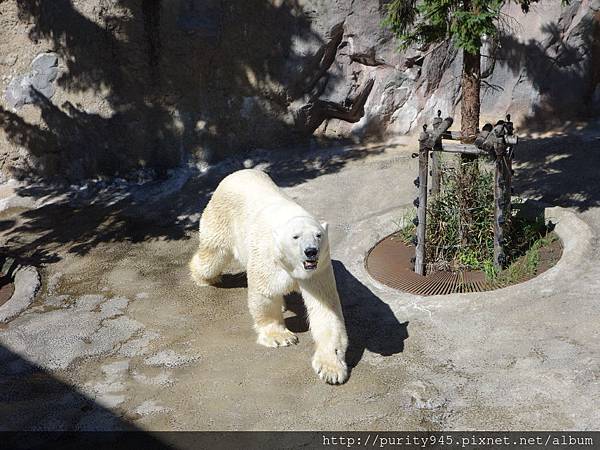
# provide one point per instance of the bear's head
(303, 246)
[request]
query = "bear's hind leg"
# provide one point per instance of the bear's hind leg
(268, 321)
(208, 263)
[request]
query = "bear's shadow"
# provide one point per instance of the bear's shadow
(370, 322)
(232, 281)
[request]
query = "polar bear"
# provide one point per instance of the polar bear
(283, 249)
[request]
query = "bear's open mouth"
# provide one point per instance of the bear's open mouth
(310, 264)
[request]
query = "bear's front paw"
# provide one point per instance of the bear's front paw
(330, 368)
(276, 337)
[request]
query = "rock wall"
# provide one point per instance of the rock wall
(93, 87)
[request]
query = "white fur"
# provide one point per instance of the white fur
(250, 220)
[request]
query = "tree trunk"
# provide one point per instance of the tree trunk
(470, 104)
(469, 170)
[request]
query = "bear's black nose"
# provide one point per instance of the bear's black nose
(311, 252)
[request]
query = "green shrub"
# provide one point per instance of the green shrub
(445, 246)
(446, 249)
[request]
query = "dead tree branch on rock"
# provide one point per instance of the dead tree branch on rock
(310, 116)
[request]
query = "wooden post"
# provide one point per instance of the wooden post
(501, 198)
(436, 163)
(421, 202)
(498, 217)
(426, 144)
(510, 140)
(507, 181)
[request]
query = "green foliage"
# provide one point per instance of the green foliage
(468, 258)
(444, 249)
(526, 266)
(524, 233)
(431, 21)
(490, 271)
(407, 228)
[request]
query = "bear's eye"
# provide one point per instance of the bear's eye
(295, 236)
(319, 235)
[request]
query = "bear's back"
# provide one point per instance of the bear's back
(249, 191)
(250, 198)
(249, 182)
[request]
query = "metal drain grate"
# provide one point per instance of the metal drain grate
(6, 292)
(7, 287)
(389, 262)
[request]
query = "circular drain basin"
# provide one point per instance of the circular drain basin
(7, 288)
(18, 286)
(389, 262)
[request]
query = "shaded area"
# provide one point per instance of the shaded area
(173, 79)
(176, 82)
(33, 399)
(77, 220)
(371, 324)
(161, 75)
(292, 171)
(564, 69)
(233, 281)
(560, 170)
(299, 322)
(67, 225)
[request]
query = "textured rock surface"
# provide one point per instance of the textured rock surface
(39, 80)
(152, 84)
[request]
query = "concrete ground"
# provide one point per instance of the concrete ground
(120, 337)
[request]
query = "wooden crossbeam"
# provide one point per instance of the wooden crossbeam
(467, 149)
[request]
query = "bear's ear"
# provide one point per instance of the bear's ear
(325, 226)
